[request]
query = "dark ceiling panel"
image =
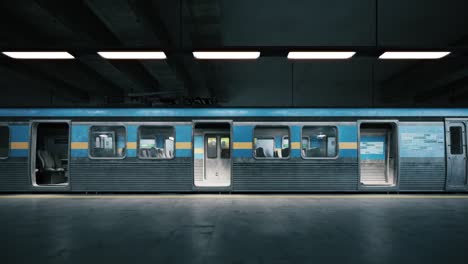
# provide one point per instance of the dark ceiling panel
(274, 27)
(345, 83)
(284, 23)
(430, 23)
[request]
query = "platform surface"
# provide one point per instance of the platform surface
(234, 229)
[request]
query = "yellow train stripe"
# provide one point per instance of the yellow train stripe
(242, 145)
(131, 145)
(79, 145)
(348, 145)
(296, 145)
(232, 196)
(199, 150)
(183, 145)
(19, 145)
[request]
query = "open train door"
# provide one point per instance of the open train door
(456, 155)
(378, 154)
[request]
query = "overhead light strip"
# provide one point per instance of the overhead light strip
(320, 55)
(413, 55)
(39, 55)
(226, 55)
(133, 55)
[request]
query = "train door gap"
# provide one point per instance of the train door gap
(50, 151)
(456, 139)
(378, 154)
(212, 154)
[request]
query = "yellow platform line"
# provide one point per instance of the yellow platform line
(229, 196)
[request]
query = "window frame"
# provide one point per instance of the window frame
(156, 158)
(9, 142)
(90, 133)
(271, 137)
(337, 142)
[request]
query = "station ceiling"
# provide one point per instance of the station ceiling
(272, 27)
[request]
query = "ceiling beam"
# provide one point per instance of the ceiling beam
(151, 21)
(79, 18)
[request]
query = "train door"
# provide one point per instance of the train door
(378, 154)
(456, 156)
(50, 150)
(212, 155)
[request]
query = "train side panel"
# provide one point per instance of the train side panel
(14, 169)
(131, 174)
(294, 174)
(422, 156)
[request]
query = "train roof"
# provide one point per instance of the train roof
(234, 112)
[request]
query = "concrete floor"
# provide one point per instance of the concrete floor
(234, 229)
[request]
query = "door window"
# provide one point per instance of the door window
(212, 148)
(225, 148)
(456, 140)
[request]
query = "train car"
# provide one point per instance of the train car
(233, 150)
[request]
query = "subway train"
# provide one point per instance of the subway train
(243, 150)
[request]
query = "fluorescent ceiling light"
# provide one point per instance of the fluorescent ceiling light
(133, 55)
(35, 55)
(320, 55)
(415, 55)
(226, 55)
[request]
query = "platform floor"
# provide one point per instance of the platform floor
(234, 229)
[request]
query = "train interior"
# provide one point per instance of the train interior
(319, 142)
(271, 142)
(156, 142)
(50, 155)
(377, 153)
(212, 159)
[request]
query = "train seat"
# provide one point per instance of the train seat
(259, 152)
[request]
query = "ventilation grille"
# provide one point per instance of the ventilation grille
(295, 176)
(14, 176)
(422, 175)
(173, 175)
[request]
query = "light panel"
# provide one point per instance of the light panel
(226, 55)
(320, 55)
(133, 55)
(38, 55)
(413, 55)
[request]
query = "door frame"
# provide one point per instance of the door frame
(447, 123)
(396, 136)
(231, 144)
(33, 152)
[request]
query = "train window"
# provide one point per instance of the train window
(4, 142)
(212, 148)
(319, 142)
(271, 142)
(156, 142)
(456, 140)
(107, 142)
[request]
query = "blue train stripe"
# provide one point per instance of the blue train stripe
(19, 141)
(198, 147)
(295, 134)
(19, 133)
(242, 133)
(80, 133)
